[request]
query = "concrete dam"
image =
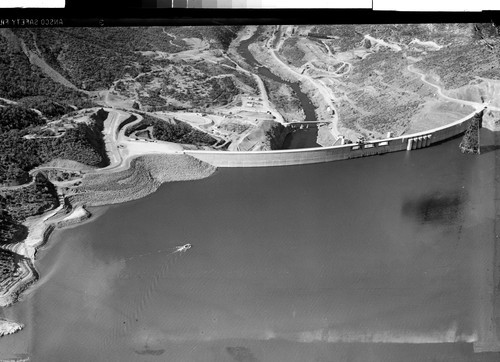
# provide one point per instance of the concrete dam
(334, 153)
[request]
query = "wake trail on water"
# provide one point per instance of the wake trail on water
(150, 253)
(170, 259)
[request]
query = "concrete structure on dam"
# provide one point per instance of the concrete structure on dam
(334, 153)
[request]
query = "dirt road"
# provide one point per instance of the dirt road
(476, 105)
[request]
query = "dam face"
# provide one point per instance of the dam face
(334, 153)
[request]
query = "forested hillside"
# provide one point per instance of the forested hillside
(22, 79)
(17, 205)
(13, 117)
(18, 154)
(174, 131)
(92, 58)
(31, 200)
(53, 69)
(457, 65)
(219, 36)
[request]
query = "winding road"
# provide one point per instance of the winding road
(122, 149)
(475, 105)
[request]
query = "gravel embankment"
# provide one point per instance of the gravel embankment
(9, 327)
(145, 175)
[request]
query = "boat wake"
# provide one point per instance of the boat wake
(177, 249)
(145, 298)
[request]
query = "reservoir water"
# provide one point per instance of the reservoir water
(387, 258)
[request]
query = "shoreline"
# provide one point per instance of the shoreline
(9, 327)
(26, 276)
(144, 176)
(77, 215)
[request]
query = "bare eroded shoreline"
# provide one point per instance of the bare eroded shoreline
(143, 177)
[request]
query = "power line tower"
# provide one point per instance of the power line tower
(471, 140)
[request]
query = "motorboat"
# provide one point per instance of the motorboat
(183, 247)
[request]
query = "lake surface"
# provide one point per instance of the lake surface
(386, 258)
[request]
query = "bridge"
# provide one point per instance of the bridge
(306, 124)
